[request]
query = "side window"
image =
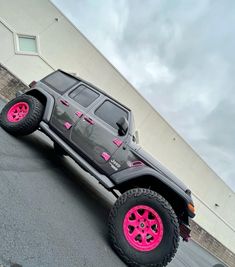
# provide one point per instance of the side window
(110, 113)
(84, 95)
(60, 81)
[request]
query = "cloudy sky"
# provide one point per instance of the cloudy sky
(180, 57)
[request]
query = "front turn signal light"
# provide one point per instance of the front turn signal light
(191, 208)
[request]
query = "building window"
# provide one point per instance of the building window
(27, 44)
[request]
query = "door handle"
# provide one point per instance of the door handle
(89, 120)
(64, 102)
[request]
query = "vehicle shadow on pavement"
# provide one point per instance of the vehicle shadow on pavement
(42, 181)
(80, 184)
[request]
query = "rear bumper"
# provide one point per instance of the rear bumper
(185, 232)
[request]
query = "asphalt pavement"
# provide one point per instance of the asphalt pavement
(53, 214)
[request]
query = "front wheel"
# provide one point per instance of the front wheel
(22, 115)
(143, 228)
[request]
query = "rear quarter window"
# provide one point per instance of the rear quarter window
(59, 81)
(84, 95)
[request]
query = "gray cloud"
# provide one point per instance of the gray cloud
(180, 56)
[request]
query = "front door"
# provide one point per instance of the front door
(96, 135)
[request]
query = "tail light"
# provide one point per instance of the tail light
(32, 84)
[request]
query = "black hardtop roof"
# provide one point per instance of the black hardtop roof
(93, 86)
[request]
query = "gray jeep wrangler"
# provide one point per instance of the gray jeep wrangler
(153, 207)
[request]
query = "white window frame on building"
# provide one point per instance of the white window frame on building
(19, 46)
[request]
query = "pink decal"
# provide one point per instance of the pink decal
(79, 114)
(67, 125)
(143, 228)
(137, 163)
(105, 156)
(17, 112)
(117, 142)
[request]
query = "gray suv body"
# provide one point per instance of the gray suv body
(98, 133)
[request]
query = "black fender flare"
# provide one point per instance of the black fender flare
(132, 174)
(50, 101)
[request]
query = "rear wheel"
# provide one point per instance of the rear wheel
(143, 228)
(22, 115)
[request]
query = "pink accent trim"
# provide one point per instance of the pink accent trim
(79, 114)
(105, 156)
(67, 125)
(117, 142)
(17, 112)
(143, 228)
(137, 163)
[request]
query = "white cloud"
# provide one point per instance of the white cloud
(180, 56)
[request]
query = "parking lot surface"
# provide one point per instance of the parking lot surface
(54, 214)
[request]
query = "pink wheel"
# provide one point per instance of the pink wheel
(17, 112)
(143, 228)
(22, 115)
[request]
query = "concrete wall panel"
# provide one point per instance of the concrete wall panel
(6, 43)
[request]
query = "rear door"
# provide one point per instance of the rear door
(71, 107)
(96, 135)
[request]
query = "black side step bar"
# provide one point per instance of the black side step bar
(104, 180)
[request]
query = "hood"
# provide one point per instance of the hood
(155, 164)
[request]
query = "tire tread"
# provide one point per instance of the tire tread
(137, 192)
(27, 125)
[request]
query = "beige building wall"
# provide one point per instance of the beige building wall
(61, 45)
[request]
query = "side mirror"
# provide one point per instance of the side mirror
(122, 126)
(136, 137)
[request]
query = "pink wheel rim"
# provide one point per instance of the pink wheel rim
(143, 228)
(17, 112)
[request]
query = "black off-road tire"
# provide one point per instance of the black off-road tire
(29, 123)
(165, 251)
